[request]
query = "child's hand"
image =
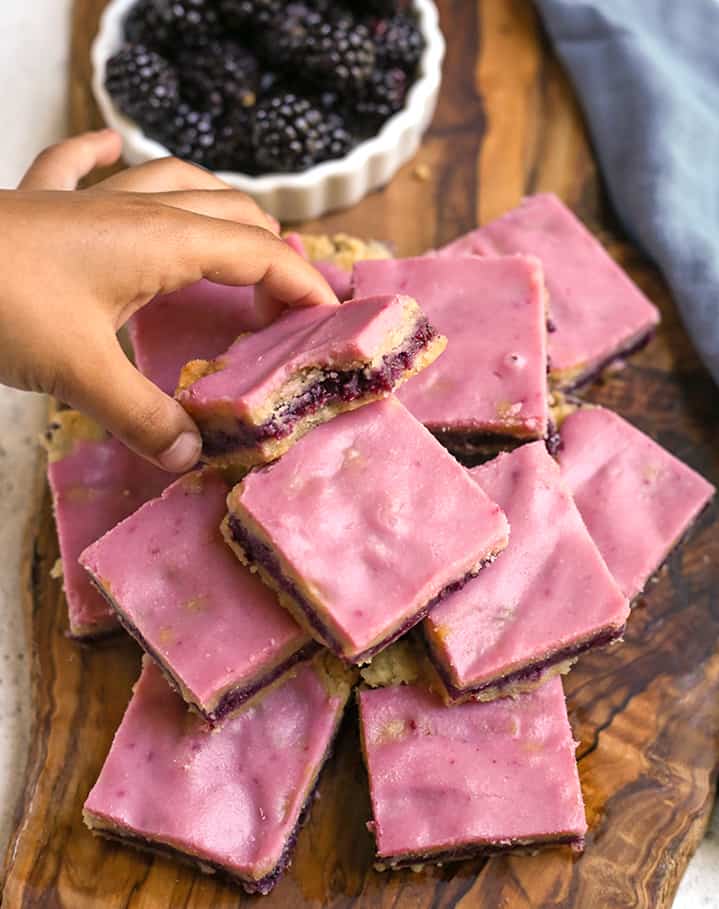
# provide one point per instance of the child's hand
(76, 265)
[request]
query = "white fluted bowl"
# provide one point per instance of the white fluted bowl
(325, 187)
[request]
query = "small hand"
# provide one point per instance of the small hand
(78, 264)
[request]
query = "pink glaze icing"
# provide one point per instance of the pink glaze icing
(549, 590)
(492, 376)
(197, 322)
(635, 497)
(93, 487)
(442, 777)
(211, 621)
(325, 336)
(231, 796)
(596, 308)
(375, 517)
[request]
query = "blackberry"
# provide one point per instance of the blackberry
(143, 84)
(190, 134)
(172, 24)
(233, 143)
(338, 50)
(291, 134)
(398, 42)
(219, 77)
(239, 14)
(143, 26)
(383, 96)
(382, 8)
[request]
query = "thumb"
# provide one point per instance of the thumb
(109, 389)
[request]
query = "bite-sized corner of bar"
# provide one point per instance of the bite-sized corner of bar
(272, 386)
(357, 528)
(230, 800)
(546, 601)
(490, 386)
(218, 634)
(95, 482)
(637, 499)
(453, 782)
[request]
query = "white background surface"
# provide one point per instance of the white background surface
(34, 37)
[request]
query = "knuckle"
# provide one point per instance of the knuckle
(183, 172)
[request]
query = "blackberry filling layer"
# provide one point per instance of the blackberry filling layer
(258, 553)
(341, 386)
(476, 851)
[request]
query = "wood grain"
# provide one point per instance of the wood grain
(646, 714)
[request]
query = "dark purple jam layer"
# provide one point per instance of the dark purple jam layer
(532, 672)
(234, 698)
(261, 554)
(552, 440)
(344, 387)
(476, 447)
(461, 853)
(595, 371)
(262, 886)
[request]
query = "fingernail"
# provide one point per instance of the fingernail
(273, 221)
(183, 454)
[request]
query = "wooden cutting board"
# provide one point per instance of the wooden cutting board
(646, 714)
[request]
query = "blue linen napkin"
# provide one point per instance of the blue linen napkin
(647, 74)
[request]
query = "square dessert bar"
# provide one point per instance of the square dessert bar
(363, 527)
(231, 800)
(636, 498)
(548, 599)
(95, 482)
(199, 321)
(217, 632)
(492, 380)
(448, 783)
(202, 320)
(599, 314)
(270, 388)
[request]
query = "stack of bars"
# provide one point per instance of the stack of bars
(357, 552)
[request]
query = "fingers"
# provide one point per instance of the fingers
(108, 388)
(227, 204)
(238, 254)
(163, 175)
(62, 166)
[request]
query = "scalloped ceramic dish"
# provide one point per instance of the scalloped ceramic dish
(325, 187)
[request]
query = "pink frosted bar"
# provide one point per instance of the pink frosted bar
(636, 498)
(216, 631)
(599, 314)
(270, 387)
(492, 378)
(548, 598)
(231, 800)
(199, 321)
(95, 482)
(357, 527)
(202, 320)
(448, 783)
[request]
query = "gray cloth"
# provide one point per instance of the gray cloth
(647, 74)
